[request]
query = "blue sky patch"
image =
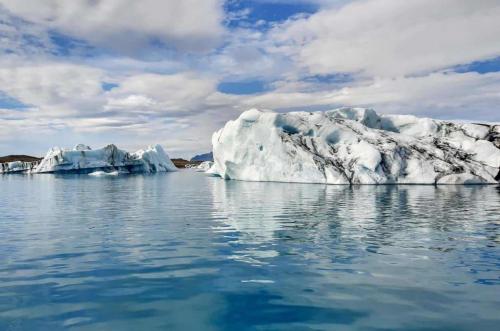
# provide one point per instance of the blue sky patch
(250, 87)
(267, 11)
(481, 67)
(7, 102)
(108, 86)
(67, 46)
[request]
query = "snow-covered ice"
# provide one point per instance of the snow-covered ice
(100, 173)
(355, 146)
(82, 159)
(204, 166)
(17, 167)
(154, 159)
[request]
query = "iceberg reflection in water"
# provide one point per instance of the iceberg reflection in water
(186, 251)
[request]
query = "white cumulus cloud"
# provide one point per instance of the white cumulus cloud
(128, 25)
(393, 37)
(57, 89)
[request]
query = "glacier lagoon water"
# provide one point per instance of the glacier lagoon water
(183, 251)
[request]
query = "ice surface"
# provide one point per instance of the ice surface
(355, 146)
(103, 173)
(17, 167)
(82, 159)
(204, 166)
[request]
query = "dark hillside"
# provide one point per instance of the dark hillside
(24, 158)
(181, 163)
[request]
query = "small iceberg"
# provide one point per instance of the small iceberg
(201, 167)
(104, 173)
(17, 167)
(204, 166)
(105, 161)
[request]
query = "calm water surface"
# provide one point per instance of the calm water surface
(182, 251)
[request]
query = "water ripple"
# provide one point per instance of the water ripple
(189, 252)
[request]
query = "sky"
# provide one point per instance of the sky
(136, 73)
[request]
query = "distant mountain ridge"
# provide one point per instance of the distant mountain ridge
(203, 157)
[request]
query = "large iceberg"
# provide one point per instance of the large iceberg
(82, 159)
(355, 146)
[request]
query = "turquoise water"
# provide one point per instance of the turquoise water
(182, 251)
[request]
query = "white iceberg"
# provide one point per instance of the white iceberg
(17, 167)
(355, 146)
(82, 159)
(204, 166)
(201, 167)
(100, 173)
